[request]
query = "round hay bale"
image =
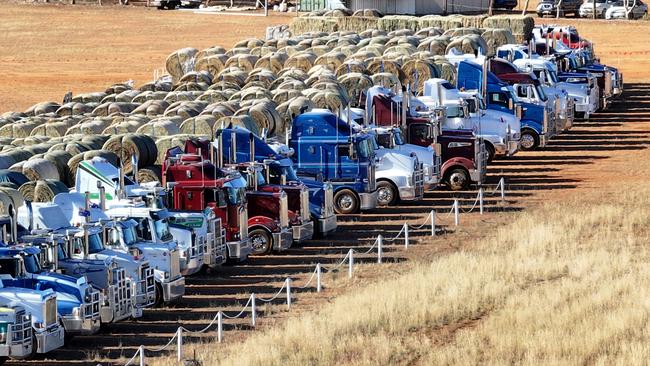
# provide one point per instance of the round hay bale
(273, 61)
(125, 146)
(331, 60)
(457, 32)
(497, 37)
(418, 71)
(73, 163)
(218, 110)
(165, 143)
(214, 50)
(42, 108)
(436, 45)
(159, 128)
(89, 97)
(379, 65)
(18, 167)
(233, 75)
(42, 190)
(356, 84)
(243, 121)
(341, 12)
(201, 125)
(387, 80)
(374, 13)
(469, 44)
(430, 32)
(244, 62)
(301, 61)
(282, 95)
(151, 173)
(212, 64)
(60, 159)
(350, 66)
(446, 69)
(249, 43)
(294, 107)
(263, 50)
(329, 99)
(35, 169)
(180, 62)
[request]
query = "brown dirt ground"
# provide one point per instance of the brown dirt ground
(46, 50)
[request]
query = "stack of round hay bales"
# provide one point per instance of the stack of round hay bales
(125, 146)
(42, 190)
(180, 62)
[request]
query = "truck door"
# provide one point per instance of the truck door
(418, 134)
(348, 162)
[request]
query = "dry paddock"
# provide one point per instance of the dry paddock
(47, 50)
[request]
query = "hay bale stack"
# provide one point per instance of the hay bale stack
(368, 13)
(281, 96)
(446, 70)
(89, 97)
(73, 163)
(521, 26)
(341, 12)
(266, 117)
(117, 88)
(496, 38)
(350, 66)
(39, 168)
(470, 43)
(417, 72)
(234, 76)
(42, 190)
(73, 108)
(185, 109)
(380, 65)
(112, 108)
(214, 50)
(387, 80)
(443, 22)
(430, 32)
(165, 143)
(148, 95)
(243, 121)
(180, 62)
(42, 108)
(60, 159)
(458, 32)
(151, 173)
(125, 146)
(218, 110)
(395, 22)
(301, 25)
(356, 84)
(357, 23)
(245, 62)
(329, 99)
(152, 108)
(212, 64)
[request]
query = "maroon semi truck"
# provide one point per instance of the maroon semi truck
(463, 154)
(267, 212)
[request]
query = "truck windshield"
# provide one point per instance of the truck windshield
(162, 229)
(365, 148)
(383, 140)
(31, 264)
(235, 195)
(9, 266)
(129, 235)
(95, 244)
(541, 93)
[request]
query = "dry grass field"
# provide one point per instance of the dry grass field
(564, 282)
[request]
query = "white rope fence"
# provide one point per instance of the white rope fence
(317, 274)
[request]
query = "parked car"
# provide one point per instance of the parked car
(549, 7)
(504, 4)
(635, 10)
(587, 8)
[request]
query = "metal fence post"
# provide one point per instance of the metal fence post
(179, 344)
(380, 242)
(502, 183)
(406, 235)
(288, 293)
(220, 327)
(456, 218)
(480, 200)
(253, 314)
(319, 284)
(433, 222)
(142, 360)
(350, 262)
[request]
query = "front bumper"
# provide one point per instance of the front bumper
(411, 193)
(173, 290)
(76, 325)
(16, 351)
(327, 224)
(282, 240)
(111, 314)
(618, 88)
(190, 266)
(239, 250)
(368, 200)
(303, 232)
(50, 339)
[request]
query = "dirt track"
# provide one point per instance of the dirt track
(39, 67)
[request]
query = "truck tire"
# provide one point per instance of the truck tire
(261, 241)
(491, 152)
(457, 179)
(159, 298)
(346, 202)
(387, 193)
(3, 360)
(529, 140)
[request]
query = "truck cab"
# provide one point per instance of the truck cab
(115, 286)
(501, 96)
(325, 146)
(466, 110)
(120, 191)
(78, 302)
(192, 185)
(47, 333)
(86, 243)
(463, 154)
(132, 227)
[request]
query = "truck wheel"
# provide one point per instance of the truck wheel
(261, 241)
(529, 140)
(458, 179)
(159, 299)
(490, 151)
(386, 193)
(3, 360)
(346, 202)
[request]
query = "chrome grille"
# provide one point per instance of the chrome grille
(284, 210)
(243, 223)
(174, 259)
(91, 310)
(49, 311)
(21, 331)
(120, 293)
(304, 205)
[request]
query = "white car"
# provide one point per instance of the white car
(635, 10)
(587, 8)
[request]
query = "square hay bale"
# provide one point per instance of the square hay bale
(448, 22)
(395, 22)
(519, 25)
(302, 25)
(357, 24)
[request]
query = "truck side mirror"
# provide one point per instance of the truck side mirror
(511, 105)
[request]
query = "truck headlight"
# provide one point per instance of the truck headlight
(3, 332)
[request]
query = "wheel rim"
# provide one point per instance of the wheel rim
(260, 243)
(384, 195)
(457, 180)
(527, 141)
(345, 202)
